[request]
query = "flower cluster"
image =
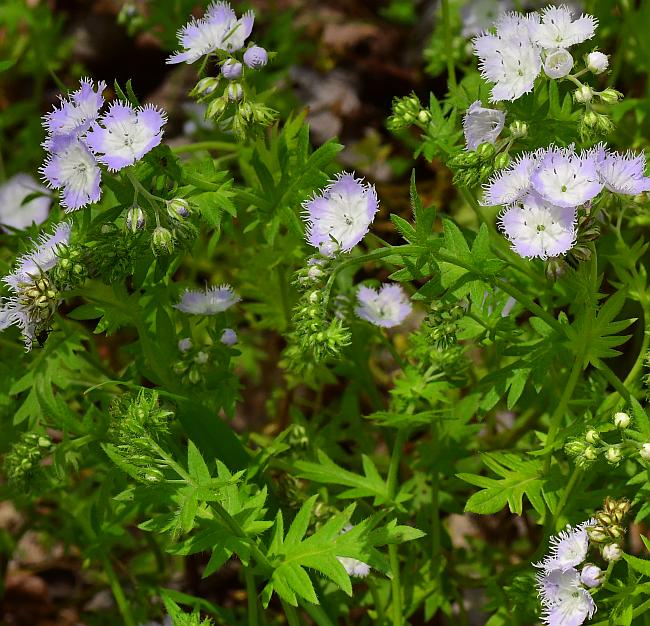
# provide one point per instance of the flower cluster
(34, 298)
(338, 218)
(16, 210)
(513, 56)
(80, 138)
(541, 192)
(563, 590)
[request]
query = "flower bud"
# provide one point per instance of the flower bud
(613, 455)
(592, 436)
(485, 151)
(590, 119)
(502, 160)
(205, 86)
(162, 240)
(194, 376)
(597, 62)
(575, 447)
(135, 219)
(610, 96)
(178, 208)
(558, 63)
(518, 129)
(231, 69)
(201, 358)
(583, 94)
(597, 534)
(424, 116)
(184, 345)
(314, 273)
(621, 420)
(256, 57)
(590, 453)
(235, 92)
(616, 531)
(216, 107)
(612, 552)
(590, 575)
(228, 337)
(645, 451)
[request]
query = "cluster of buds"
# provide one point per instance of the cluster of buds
(23, 462)
(408, 111)
(235, 96)
(587, 231)
(474, 167)
(40, 299)
(193, 364)
(609, 529)
(71, 270)
(442, 323)
(138, 423)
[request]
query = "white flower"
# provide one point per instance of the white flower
(17, 213)
(568, 548)
(509, 58)
(481, 125)
(354, 567)
(558, 29)
(565, 178)
(558, 63)
(597, 62)
(539, 229)
(340, 216)
(621, 420)
(564, 601)
(387, 307)
(209, 302)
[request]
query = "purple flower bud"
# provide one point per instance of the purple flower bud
(256, 57)
(231, 69)
(228, 337)
(591, 575)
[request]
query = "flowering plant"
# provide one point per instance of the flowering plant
(233, 358)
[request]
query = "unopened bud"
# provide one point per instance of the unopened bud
(590, 453)
(231, 69)
(178, 207)
(424, 116)
(644, 451)
(621, 420)
(610, 96)
(256, 57)
(597, 534)
(135, 219)
(612, 552)
(592, 436)
(613, 455)
(162, 240)
(228, 337)
(485, 151)
(205, 86)
(590, 119)
(583, 94)
(518, 129)
(501, 160)
(216, 107)
(235, 92)
(597, 62)
(590, 575)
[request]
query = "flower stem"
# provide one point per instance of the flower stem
(251, 596)
(226, 146)
(118, 592)
(291, 613)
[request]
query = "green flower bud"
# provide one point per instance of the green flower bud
(613, 455)
(590, 453)
(592, 436)
(216, 107)
(610, 96)
(612, 552)
(597, 534)
(135, 219)
(575, 447)
(518, 129)
(644, 451)
(590, 119)
(583, 94)
(162, 241)
(621, 420)
(235, 92)
(424, 116)
(501, 160)
(205, 86)
(178, 208)
(485, 151)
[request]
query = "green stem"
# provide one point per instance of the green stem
(205, 145)
(614, 381)
(573, 481)
(376, 599)
(317, 613)
(251, 596)
(391, 348)
(291, 613)
(435, 493)
(451, 68)
(118, 592)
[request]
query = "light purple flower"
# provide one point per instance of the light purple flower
(565, 178)
(558, 63)
(509, 58)
(340, 216)
(231, 69)
(387, 307)
(219, 29)
(256, 57)
(77, 112)
(17, 213)
(509, 185)
(126, 134)
(622, 173)
(13, 312)
(72, 168)
(565, 602)
(481, 125)
(558, 29)
(228, 337)
(568, 548)
(538, 229)
(209, 302)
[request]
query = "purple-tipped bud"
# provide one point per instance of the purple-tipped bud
(231, 69)
(178, 208)
(256, 57)
(235, 92)
(135, 219)
(228, 337)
